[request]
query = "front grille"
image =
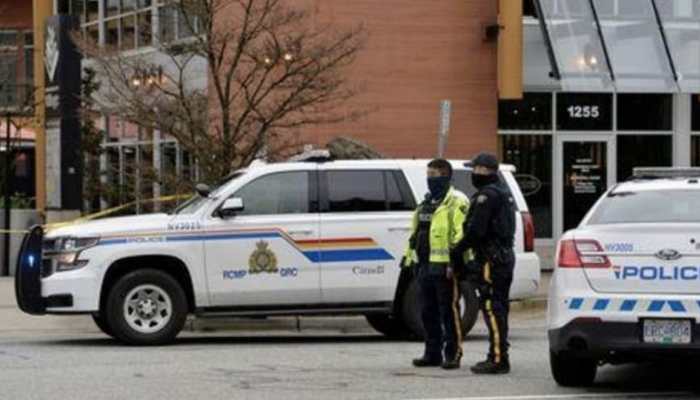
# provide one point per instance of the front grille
(46, 267)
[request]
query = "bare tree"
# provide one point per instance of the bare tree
(272, 70)
(16, 107)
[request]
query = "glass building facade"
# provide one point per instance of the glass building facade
(610, 85)
(136, 164)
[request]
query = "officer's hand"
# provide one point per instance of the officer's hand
(450, 273)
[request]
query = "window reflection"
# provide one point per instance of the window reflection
(642, 151)
(635, 46)
(695, 112)
(681, 24)
(532, 156)
(576, 44)
(533, 112)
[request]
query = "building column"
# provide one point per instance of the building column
(42, 10)
(681, 130)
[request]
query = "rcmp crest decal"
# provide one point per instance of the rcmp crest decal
(262, 259)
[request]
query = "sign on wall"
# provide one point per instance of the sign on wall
(584, 111)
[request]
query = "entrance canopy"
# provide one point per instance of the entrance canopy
(622, 45)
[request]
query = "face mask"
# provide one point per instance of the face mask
(438, 186)
(479, 180)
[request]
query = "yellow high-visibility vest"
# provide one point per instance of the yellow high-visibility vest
(446, 229)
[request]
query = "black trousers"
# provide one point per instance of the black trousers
(495, 304)
(439, 297)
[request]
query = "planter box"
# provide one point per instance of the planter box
(19, 220)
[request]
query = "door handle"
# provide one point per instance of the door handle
(399, 229)
(301, 232)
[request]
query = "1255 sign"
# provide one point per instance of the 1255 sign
(584, 111)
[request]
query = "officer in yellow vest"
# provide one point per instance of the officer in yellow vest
(436, 230)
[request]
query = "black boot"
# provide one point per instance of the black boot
(482, 364)
(426, 361)
(451, 363)
(492, 368)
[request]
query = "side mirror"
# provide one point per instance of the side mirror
(202, 189)
(231, 206)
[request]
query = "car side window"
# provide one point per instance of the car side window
(399, 195)
(280, 193)
(462, 181)
(366, 191)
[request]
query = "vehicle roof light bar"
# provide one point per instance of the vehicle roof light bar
(665, 172)
(314, 155)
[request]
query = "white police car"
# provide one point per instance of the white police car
(322, 237)
(627, 279)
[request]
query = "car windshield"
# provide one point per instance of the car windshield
(670, 206)
(195, 202)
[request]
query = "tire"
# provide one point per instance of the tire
(387, 324)
(101, 323)
(411, 314)
(570, 371)
(146, 307)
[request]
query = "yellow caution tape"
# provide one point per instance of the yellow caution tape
(102, 213)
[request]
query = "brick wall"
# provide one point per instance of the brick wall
(16, 14)
(418, 53)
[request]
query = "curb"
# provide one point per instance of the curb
(536, 304)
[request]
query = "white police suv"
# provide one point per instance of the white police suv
(627, 280)
(322, 237)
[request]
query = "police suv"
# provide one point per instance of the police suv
(316, 237)
(627, 279)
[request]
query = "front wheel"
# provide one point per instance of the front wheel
(571, 371)
(411, 309)
(101, 323)
(146, 307)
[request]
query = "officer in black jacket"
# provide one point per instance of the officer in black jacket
(489, 230)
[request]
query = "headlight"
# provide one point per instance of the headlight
(77, 244)
(65, 252)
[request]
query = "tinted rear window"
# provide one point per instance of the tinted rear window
(648, 207)
(462, 180)
(367, 191)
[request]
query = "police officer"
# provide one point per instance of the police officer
(489, 230)
(436, 230)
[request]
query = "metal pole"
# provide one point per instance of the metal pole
(8, 188)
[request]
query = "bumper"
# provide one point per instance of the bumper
(526, 276)
(609, 340)
(65, 292)
(79, 285)
(28, 274)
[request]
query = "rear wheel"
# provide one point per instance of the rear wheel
(411, 309)
(572, 371)
(101, 323)
(146, 307)
(387, 324)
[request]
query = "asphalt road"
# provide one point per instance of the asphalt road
(315, 363)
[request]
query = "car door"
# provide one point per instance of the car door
(365, 223)
(257, 257)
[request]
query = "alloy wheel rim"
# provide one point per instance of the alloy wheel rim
(147, 309)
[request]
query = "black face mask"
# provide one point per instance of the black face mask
(479, 180)
(438, 186)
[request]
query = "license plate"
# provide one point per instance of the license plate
(667, 331)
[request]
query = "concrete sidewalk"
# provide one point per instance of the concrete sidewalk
(14, 322)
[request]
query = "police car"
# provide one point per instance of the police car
(627, 279)
(322, 237)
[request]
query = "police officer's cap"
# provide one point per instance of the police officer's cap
(485, 160)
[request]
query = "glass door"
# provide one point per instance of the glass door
(586, 171)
